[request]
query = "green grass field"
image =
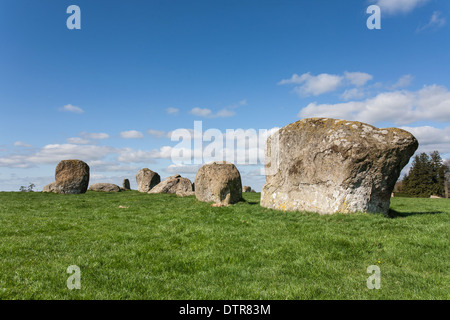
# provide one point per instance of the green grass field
(165, 247)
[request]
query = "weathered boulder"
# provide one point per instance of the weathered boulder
(126, 184)
(104, 187)
(327, 166)
(174, 184)
(146, 179)
(219, 182)
(49, 188)
(246, 189)
(71, 177)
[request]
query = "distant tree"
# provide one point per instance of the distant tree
(439, 171)
(426, 176)
(27, 189)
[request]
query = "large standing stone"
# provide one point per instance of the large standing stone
(71, 177)
(104, 187)
(219, 182)
(146, 179)
(327, 166)
(174, 184)
(126, 184)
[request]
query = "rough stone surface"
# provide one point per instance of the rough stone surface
(218, 182)
(185, 193)
(71, 177)
(49, 188)
(327, 166)
(146, 179)
(126, 184)
(174, 184)
(246, 189)
(105, 187)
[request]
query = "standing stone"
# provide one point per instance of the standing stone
(219, 182)
(174, 184)
(146, 179)
(246, 189)
(328, 166)
(71, 177)
(104, 187)
(126, 184)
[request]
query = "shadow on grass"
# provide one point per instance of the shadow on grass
(396, 214)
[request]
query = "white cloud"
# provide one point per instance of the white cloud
(201, 112)
(355, 93)
(207, 113)
(22, 144)
(172, 111)
(295, 79)
(157, 133)
(110, 166)
(224, 113)
(131, 134)
(78, 140)
(358, 79)
(94, 136)
(53, 153)
(182, 168)
(56, 152)
(400, 107)
(431, 138)
(71, 108)
(129, 155)
(403, 82)
(313, 85)
(436, 21)
(92, 154)
(15, 161)
(86, 137)
(399, 6)
(307, 84)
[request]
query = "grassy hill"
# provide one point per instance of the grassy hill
(130, 245)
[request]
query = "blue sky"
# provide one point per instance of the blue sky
(112, 92)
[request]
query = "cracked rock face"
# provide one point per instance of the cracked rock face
(326, 165)
(104, 187)
(71, 177)
(146, 179)
(174, 184)
(218, 182)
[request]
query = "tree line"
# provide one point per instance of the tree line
(428, 175)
